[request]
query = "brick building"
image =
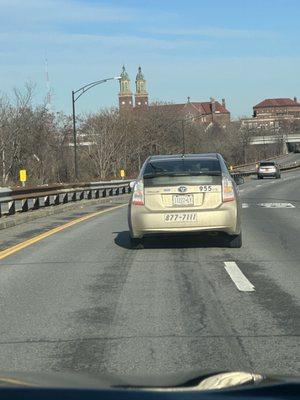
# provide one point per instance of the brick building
(206, 112)
(273, 114)
(201, 112)
(277, 108)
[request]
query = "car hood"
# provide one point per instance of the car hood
(191, 381)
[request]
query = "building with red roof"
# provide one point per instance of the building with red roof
(277, 107)
(274, 114)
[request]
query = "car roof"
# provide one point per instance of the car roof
(174, 157)
(268, 162)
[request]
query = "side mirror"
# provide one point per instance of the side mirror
(239, 180)
(131, 184)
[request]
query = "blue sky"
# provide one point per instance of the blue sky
(242, 50)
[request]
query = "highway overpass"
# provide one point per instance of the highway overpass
(290, 142)
(268, 139)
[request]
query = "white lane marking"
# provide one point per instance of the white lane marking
(258, 185)
(269, 205)
(239, 279)
(276, 205)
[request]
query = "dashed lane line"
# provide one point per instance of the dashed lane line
(276, 205)
(239, 279)
(269, 205)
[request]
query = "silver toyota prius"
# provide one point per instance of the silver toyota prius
(185, 193)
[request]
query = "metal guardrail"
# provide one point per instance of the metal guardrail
(20, 199)
(32, 198)
(253, 163)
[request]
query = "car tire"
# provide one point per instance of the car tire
(136, 243)
(235, 241)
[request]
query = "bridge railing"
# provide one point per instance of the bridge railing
(13, 200)
(275, 138)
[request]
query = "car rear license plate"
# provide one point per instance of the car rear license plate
(181, 217)
(183, 200)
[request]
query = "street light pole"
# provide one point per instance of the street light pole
(75, 96)
(74, 136)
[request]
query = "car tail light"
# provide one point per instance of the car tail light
(227, 190)
(138, 193)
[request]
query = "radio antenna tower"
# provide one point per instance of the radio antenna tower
(48, 87)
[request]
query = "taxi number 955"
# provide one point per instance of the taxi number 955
(205, 188)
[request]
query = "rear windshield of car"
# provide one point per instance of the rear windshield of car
(267, 164)
(182, 171)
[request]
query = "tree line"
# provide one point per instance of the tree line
(40, 141)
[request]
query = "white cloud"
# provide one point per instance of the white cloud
(107, 41)
(215, 32)
(56, 11)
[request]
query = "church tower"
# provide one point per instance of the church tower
(141, 95)
(125, 95)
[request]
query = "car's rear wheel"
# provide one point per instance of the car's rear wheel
(235, 241)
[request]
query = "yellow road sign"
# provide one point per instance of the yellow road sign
(23, 175)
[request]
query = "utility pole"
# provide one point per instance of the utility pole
(49, 92)
(183, 136)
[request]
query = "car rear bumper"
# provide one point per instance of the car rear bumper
(144, 222)
(266, 174)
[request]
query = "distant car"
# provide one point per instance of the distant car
(268, 169)
(185, 193)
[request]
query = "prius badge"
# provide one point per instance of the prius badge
(182, 189)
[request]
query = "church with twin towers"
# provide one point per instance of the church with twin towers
(126, 96)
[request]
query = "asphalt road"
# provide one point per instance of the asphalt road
(82, 300)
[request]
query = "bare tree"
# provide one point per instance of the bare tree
(104, 138)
